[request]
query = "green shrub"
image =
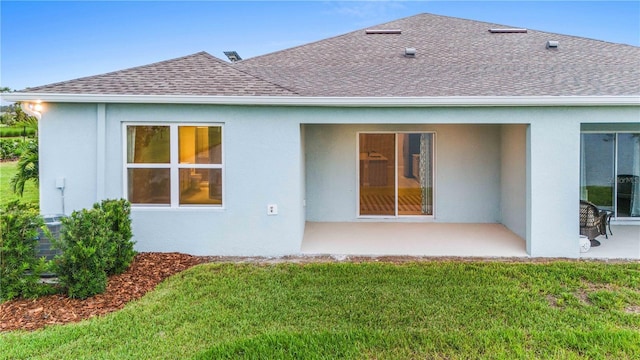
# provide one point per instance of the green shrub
(119, 251)
(11, 149)
(94, 243)
(20, 270)
(80, 268)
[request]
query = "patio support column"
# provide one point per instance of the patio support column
(553, 181)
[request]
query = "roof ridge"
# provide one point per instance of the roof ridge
(230, 65)
(356, 31)
(324, 39)
(529, 29)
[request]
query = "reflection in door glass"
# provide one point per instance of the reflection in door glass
(596, 169)
(628, 176)
(377, 181)
(395, 188)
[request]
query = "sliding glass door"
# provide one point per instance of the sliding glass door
(395, 174)
(610, 172)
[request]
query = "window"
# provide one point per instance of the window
(395, 174)
(610, 172)
(174, 165)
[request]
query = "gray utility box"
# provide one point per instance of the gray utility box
(54, 225)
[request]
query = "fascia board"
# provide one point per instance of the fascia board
(444, 101)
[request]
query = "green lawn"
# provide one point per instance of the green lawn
(7, 170)
(371, 310)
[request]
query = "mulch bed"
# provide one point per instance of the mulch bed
(146, 271)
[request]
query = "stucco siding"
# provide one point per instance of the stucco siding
(553, 187)
(467, 170)
(67, 146)
(513, 178)
(516, 166)
(260, 147)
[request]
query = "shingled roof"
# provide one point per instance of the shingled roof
(196, 74)
(454, 57)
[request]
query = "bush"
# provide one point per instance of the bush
(119, 251)
(20, 270)
(80, 268)
(11, 149)
(94, 243)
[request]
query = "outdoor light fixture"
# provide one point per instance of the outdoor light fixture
(33, 109)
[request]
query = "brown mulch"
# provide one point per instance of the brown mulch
(146, 271)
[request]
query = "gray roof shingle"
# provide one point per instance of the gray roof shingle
(454, 57)
(196, 74)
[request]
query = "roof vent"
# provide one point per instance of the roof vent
(410, 52)
(232, 56)
(507, 31)
(552, 44)
(382, 31)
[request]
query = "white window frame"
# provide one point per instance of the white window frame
(174, 165)
(433, 176)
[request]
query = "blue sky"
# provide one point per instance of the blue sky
(51, 41)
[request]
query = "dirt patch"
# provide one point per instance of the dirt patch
(635, 309)
(553, 301)
(583, 296)
(590, 286)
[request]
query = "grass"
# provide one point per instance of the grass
(31, 192)
(15, 131)
(601, 195)
(441, 310)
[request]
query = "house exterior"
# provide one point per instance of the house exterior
(427, 119)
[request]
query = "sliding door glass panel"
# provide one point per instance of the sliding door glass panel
(414, 172)
(628, 176)
(597, 168)
(377, 175)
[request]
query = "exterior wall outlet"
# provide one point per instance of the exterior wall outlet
(272, 209)
(60, 183)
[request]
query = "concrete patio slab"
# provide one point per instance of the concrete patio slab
(413, 239)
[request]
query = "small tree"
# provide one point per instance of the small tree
(28, 167)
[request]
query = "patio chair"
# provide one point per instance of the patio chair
(593, 222)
